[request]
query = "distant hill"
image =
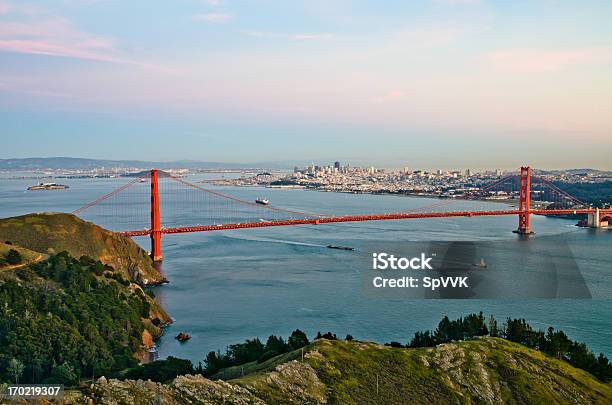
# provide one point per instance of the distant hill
(487, 370)
(56, 232)
(81, 163)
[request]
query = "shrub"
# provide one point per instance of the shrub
(13, 257)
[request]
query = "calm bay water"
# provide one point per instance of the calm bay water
(228, 286)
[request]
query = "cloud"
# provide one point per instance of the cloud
(297, 37)
(31, 31)
(547, 60)
(213, 17)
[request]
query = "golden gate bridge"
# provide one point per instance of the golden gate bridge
(217, 211)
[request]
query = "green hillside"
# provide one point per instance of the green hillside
(56, 232)
(63, 319)
(487, 370)
(480, 371)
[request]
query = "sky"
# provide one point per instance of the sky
(423, 84)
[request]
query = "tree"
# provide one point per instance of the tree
(297, 339)
(493, 326)
(602, 368)
(422, 339)
(13, 257)
(275, 344)
(161, 370)
(63, 374)
(214, 362)
(15, 368)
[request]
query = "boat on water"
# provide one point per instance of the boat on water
(482, 264)
(262, 201)
(340, 247)
(48, 186)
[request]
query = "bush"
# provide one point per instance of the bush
(13, 257)
(160, 370)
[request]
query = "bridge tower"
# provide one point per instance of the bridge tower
(155, 219)
(524, 201)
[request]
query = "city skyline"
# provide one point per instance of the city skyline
(434, 83)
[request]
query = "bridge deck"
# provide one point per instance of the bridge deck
(357, 218)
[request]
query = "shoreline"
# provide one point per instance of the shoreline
(511, 202)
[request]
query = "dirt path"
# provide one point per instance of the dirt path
(26, 263)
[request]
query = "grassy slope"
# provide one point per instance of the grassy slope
(484, 370)
(56, 232)
(29, 256)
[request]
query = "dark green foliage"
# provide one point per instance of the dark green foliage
(422, 339)
(463, 328)
(276, 344)
(557, 344)
(13, 257)
(297, 339)
(62, 374)
(161, 370)
(553, 343)
(253, 350)
(63, 323)
(326, 335)
(395, 344)
(246, 352)
(598, 194)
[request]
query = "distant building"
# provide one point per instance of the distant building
(337, 165)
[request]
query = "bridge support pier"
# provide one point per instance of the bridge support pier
(156, 254)
(524, 227)
(594, 221)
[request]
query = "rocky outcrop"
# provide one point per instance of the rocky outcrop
(186, 389)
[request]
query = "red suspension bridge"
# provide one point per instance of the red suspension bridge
(217, 211)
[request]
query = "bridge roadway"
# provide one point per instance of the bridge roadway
(359, 218)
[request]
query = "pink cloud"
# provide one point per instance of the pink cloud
(545, 60)
(31, 31)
